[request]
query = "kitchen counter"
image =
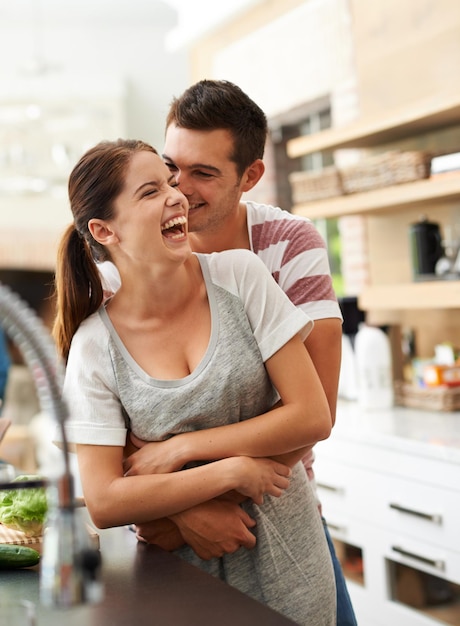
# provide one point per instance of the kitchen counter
(389, 484)
(144, 586)
(431, 434)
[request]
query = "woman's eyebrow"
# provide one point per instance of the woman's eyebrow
(152, 183)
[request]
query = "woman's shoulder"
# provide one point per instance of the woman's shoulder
(90, 335)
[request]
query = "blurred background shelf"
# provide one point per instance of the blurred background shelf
(423, 116)
(439, 294)
(419, 194)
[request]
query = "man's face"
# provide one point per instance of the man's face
(207, 177)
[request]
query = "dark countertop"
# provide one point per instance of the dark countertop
(144, 586)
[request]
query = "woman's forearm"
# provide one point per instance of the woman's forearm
(113, 499)
(145, 498)
(300, 421)
(280, 432)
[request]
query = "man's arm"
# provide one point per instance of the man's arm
(212, 529)
(324, 345)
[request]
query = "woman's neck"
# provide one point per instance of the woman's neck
(158, 293)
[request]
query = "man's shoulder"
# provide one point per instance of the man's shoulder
(260, 213)
(230, 261)
(269, 226)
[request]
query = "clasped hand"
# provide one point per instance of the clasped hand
(211, 529)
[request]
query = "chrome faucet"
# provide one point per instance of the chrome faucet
(70, 566)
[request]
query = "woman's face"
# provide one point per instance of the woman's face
(150, 220)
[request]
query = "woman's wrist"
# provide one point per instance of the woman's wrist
(183, 450)
(234, 465)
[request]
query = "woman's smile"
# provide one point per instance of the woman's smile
(174, 228)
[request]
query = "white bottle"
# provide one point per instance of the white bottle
(348, 379)
(374, 369)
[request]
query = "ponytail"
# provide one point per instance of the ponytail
(94, 184)
(78, 287)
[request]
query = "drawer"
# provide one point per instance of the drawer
(436, 560)
(341, 487)
(404, 506)
(428, 513)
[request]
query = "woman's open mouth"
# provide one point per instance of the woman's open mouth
(174, 228)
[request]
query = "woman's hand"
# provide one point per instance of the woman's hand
(262, 476)
(155, 457)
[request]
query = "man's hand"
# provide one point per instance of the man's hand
(215, 528)
(211, 529)
(161, 532)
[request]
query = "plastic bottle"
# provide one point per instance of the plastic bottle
(348, 380)
(374, 368)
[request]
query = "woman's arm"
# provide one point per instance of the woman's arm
(113, 499)
(302, 419)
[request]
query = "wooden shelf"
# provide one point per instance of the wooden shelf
(437, 112)
(436, 294)
(440, 111)
(441, 188)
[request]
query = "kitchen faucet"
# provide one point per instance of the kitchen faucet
(70, 566)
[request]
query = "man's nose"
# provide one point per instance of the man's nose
(185, 183)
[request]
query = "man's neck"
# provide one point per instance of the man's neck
(233, 234)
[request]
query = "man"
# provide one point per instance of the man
(215, 140)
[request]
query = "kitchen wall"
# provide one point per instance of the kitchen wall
(286, 55)
(74, 75)
(368, 58)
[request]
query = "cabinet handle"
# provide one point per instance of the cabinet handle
(437, 563)
(330, 487)
(336, 528)
(432, 517)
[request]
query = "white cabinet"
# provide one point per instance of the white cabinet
(394, 499)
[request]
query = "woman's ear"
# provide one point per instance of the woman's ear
(101, 232)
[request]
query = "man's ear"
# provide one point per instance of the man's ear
(101, 232)
(252, 175)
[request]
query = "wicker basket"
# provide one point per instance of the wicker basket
(315, 185)
(390, 168)
(429, 399)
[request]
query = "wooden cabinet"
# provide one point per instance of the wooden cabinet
(420, 194)
(390, 492)
(437, 112)
(438, 194)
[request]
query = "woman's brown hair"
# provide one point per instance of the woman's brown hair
(94, 184)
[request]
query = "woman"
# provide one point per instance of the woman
(197, 346)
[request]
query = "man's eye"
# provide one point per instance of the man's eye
(171, 167)
(204, 174)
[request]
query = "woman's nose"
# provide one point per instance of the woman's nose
(178, 197)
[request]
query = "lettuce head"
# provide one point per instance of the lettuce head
(24, 509)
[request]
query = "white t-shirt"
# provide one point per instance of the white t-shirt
(251, 318)
(107, 391)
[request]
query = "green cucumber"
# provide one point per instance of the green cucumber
(13, 556)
